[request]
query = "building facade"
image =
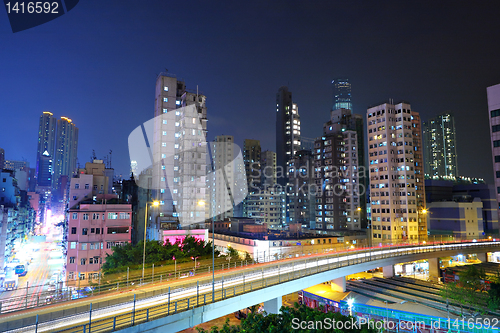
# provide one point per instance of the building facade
(268, 168)
(440, 146)
(301, 189)
(267, 206)
(219, 183)
(459, 218)
(179, 152)
(393, 185)
(46, 142)
(288, 140)
(252, 159)
(341, 94)
(66, 149)
(349, 121)
(97, 221)
(93, 231)
(493, 94)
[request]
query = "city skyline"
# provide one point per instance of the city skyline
(442, 75)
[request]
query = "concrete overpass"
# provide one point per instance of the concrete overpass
(193, 303)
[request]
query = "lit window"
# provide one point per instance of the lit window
(163, 144)
(162, 179)
(163, 167)
(176, 123)
(164, 133)
(162, 202)
(162, 190)
(177, 102)
(165, 88)
(178, 113)
(174, 202)
(165, 99)
(163, 155)
(164, 121)
(176, 146)
(165, 111)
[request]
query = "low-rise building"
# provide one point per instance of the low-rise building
(93, 231)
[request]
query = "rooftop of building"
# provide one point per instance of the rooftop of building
(445, 181)
(285, 235)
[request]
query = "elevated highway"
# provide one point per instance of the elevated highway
(173, 307)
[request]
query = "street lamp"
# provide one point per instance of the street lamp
(201, 203)
(155, 204)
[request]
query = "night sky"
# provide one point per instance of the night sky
(98, 64)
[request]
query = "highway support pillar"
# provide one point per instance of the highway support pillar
(338, 284)
(482, 256)
(388, 271)
(273, 305)
(433, 269)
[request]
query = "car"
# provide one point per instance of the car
(51, 288)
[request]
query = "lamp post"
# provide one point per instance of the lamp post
(155, 204)
(424, 212)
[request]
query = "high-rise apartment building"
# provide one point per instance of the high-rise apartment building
(219, 183)
(493, 94)
(341, 94)
(66, 148)
(184, 138)
(440, 147)
(46, 140)
(251, 158)
(418, 157)
(268, 168)
(337, 178)
(393, 181)
(349, 121)
(45, 170)
(267, 207)
(287, 132)
(58, 139)
(301, 192)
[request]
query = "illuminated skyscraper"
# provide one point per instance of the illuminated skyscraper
(440, 146)
(46, 142)
(287, 132)
(65, 150)
(57, 139)
(341, 94)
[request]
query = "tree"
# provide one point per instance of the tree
(494, 292)
(248, 257)
(128, 255)
(285, 322)
(468, 291)
(233, 253)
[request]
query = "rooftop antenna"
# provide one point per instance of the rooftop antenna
(92, 158)
(110, 152)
